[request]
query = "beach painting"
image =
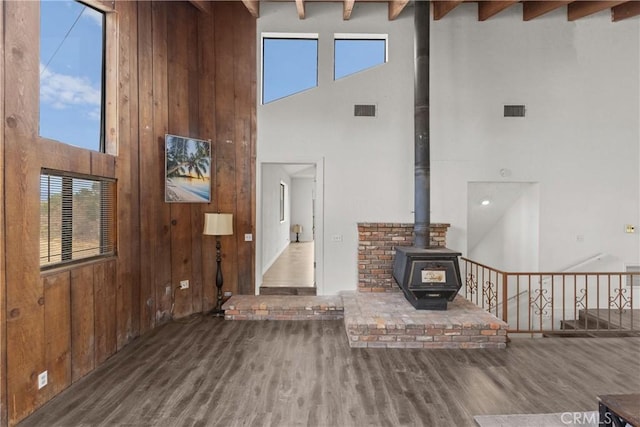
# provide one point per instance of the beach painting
(187, 170)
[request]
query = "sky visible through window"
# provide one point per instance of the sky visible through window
(71, 66)
(290, 65)
(353, 55)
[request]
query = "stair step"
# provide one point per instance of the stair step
(579, 324)
(288, 290)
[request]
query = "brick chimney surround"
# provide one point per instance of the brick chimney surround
(376, 250)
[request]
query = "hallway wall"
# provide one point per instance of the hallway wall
(302, 195)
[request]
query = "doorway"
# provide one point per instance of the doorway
(503, 224)
(288, 224)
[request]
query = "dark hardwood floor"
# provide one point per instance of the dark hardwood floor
(213, 372)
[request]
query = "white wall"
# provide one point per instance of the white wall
(521, 238)
(302, 194)
(367, 161)
(275, 232)
(579, 140)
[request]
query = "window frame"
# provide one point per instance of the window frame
(66, 229)
(283, 198)
(109, 81)
(289, 36)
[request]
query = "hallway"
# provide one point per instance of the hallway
(292, 273)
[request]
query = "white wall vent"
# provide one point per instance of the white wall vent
(514, 110)
(364, 110)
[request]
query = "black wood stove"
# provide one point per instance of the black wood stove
(429, 277)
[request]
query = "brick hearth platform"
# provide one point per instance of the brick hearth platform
(388, 320)
(382, 320)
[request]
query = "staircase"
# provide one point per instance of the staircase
(600, 323)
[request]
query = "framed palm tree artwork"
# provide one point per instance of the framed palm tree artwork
(187, 170)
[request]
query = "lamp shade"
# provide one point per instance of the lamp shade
(218, 224)
(297, 228)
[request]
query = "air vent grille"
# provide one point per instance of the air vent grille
(364, 110)
(514, 110)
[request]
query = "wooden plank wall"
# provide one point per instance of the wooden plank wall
(3, 283)
(177, 70)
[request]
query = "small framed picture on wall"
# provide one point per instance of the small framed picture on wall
(187, 170)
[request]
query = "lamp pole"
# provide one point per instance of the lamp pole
(218, 310)
(218, 224)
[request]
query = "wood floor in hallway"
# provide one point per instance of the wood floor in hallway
(212, 372)
(293, 268)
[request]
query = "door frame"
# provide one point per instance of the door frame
(318, 214)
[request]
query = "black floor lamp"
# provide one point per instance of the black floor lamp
(218, 224)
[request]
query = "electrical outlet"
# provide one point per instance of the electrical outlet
(336, 238)
(42, 379)
(184, 284)
(248, 237)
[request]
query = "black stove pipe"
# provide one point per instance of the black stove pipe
(422, 170)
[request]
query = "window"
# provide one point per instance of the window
(283, 192)
(77, 218)
(358, 52)
(289, 65)
(72, 52)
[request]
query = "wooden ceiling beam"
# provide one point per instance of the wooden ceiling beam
(441, 8)
(487, 9)
(300, 8)
(396, 7)
(534, 9)
(202, 5)
(253, 6)
(347, 9)
(626, 10)
(580, 9)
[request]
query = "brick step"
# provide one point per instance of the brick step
(274, 307)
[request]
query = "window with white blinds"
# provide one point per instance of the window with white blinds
(77, 218)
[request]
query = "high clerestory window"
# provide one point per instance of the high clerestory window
(72, 62)
(77, 218)
(357, 52)
(289, 64)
